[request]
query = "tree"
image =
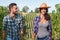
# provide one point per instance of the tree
(31, 11)
(25, 9)
(53, 11)
(37, 10)
(57, 6)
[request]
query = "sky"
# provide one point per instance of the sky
(32, 4)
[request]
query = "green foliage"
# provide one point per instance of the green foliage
(36, 10)
(25, 9)
(53, 11)
(3, 12)
(29, 24)
(57, 6)
(55, 17)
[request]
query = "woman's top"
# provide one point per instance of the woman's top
(42, 31)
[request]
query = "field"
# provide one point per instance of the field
(55, 17)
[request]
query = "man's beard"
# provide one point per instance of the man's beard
(15, 13)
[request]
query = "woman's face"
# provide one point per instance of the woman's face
(43, 10)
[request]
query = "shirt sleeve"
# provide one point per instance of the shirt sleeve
(35, 29)
(50, 30)
(21, 23)
(4, 24)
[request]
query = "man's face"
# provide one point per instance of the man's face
(14, 9)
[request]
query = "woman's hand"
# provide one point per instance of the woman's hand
(33, 36)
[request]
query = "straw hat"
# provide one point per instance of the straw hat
(44, 5)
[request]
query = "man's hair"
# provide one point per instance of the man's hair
(11, 5)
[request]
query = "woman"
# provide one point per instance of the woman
(42, 24)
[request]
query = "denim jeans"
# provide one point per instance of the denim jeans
(44, 38)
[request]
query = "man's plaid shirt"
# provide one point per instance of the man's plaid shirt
(12, 26)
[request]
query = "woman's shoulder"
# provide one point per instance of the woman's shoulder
(37, 18)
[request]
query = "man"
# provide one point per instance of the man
(12, 24)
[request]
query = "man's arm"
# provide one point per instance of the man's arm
(21, 34)
(3, 35)
(21, 28)
(4, 28)
(21, 25)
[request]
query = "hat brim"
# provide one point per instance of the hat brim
(43, 7)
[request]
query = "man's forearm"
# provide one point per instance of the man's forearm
(3, 35)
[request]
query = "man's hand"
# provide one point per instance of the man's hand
(3, 35)
(21, 33)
